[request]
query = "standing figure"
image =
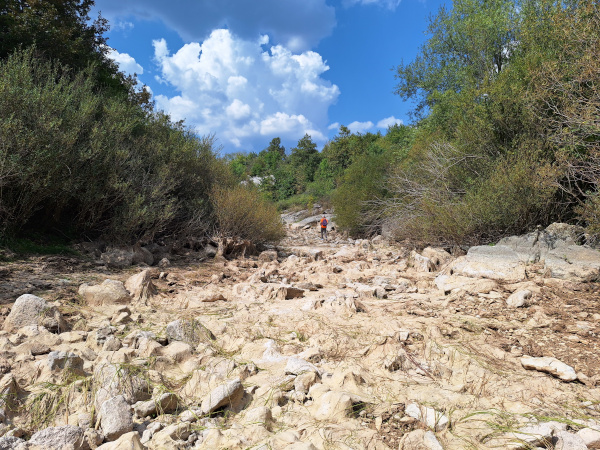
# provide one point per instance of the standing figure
(323, 223)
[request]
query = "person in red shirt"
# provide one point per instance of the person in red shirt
(323, 223)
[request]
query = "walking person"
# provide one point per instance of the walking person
(323, 223)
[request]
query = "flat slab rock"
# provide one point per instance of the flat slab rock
(549, 365)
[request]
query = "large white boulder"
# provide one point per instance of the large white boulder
(110, 292)
(31, 310)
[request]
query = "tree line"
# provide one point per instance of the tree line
(350, 170)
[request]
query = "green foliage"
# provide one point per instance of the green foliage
(304, 161)
(41, 245)
(469, 44)
(364, 181)
(296, 202)
(242, 213)
(510, 140)
(71, 157)
(61, 30)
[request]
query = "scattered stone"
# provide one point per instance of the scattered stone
(59, 438)
(332, 405)
(31, 310)
(112, 380)
(110, 292)
(65, 361)
(419, 440)
(435, 420)
(164, 404)
(228, 395)
(297, 366)
(549, 365)
(191, 332)
(129, 441)
(140, 286)
(539, 434)
(115, 417)
(421, 263)
(519, 298)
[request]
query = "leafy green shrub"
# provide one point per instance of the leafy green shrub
(73, 157)
(362, 183)
(241, 212)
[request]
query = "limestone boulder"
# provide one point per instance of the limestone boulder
(110, 292)
(32, 310)
(163, 404)
(189, 331)
(556, 249)
(117, 258)
(331, 406)
(111, 380)
(65, 361)
(177, 351)
(566, 440)
(11, 442)
(550, 365)
(473, 286)
(590, 437)
(519, 298)
(141, 255)
(58, 438)
(438, 256)
(140, 286)
(498, 262)
(226, 395)
(541, 434)
(128, 441)
(8, 395)
(421, 263)
(115, 417)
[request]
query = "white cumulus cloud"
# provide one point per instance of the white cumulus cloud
(360, 127)
(388, 122)
(245, 95)
(126, 62)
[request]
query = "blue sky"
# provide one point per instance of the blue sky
(249, 71)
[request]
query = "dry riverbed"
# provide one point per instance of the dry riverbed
(313, 345)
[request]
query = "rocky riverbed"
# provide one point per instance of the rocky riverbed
(311, 345)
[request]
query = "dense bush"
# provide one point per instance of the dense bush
(362, 183)
(241, 212)
(76, 160)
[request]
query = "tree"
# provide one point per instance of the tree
(60, 30)
(469, 44)
(304, 161)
